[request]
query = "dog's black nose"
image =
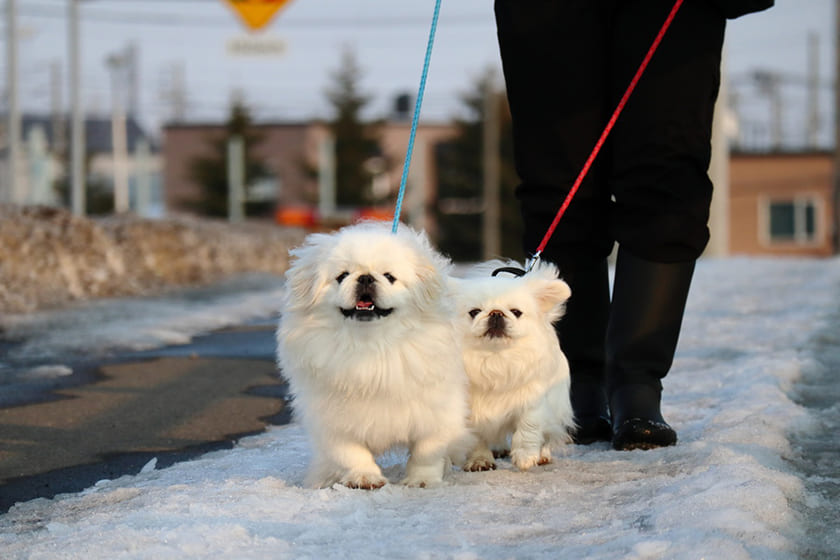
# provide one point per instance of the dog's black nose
(366, 280)
(496, 319)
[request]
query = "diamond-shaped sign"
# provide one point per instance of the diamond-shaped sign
(256, 13)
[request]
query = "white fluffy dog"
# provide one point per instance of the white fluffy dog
(367, 342)
(518, 375)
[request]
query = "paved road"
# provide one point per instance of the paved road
(171, 404)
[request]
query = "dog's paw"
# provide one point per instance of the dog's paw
(420, 482)
(364, 481)
(479, 464)
(524, 460)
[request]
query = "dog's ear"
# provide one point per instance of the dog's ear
(432, 281)
(550, 291)
(430, 267)
(552, 296)
(307, 275)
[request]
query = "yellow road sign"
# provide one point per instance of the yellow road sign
(256, 13)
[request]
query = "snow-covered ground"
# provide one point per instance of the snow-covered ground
(730, 489)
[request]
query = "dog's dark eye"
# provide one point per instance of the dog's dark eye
(342, 276)
(474, 312)
(516, 313)
(389, 277)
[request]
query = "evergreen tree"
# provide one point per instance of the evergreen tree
(99, 195)
(356, 142)
(460, 182)
(211, 172)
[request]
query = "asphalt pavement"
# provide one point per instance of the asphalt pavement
(114, 416)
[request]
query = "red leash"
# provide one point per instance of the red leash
(607, 130)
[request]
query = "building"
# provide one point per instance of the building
(44, 156)
(782, 204)
(778, 204)
(294, 151)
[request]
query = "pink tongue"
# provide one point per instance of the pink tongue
(364, 304)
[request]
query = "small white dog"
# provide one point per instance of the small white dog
(519, 377)
(367, 342)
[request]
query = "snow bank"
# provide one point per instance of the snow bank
(725, 491)
(49, 258)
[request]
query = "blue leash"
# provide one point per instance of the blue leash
(416, 117)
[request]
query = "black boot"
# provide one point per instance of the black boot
(581, 332)
(645, 319)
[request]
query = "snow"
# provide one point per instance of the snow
(50, 258)
(727, 490)
(136, 324)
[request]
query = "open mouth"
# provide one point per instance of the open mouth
(365, 309)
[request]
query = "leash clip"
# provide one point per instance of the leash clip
(532, 262)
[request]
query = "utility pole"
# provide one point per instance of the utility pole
(813, 90)
(769, 84)
(836, 209)
(132, 64)
(236, 178)
(59, 133)
(119, 141)
(13, 129)
(326, 176)
(77, 133)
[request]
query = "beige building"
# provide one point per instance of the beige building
(292, 152)
(781, 204)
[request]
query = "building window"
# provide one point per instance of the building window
(792, 221)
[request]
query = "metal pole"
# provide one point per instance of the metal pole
(59, 132)
(77, 135)
(142, 155)
(119, 147)
(13, 133)
(236, 178)
(836, 209)
(326, 176)
(813, 90)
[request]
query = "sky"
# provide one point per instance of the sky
(389, 41)
(758, 335)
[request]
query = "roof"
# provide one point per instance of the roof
(97, 132)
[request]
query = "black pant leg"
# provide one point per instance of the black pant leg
(661, 145)
(554, 55)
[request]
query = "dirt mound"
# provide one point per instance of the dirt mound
(49, 258)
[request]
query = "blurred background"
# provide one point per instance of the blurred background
(297, 113)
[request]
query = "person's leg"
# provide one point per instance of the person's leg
(662, 194)
(582, 332)
(554, 54)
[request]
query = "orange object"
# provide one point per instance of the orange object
(256, 13)
(296, 216)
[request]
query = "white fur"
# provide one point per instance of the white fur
(361, 388)
(519, 380)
